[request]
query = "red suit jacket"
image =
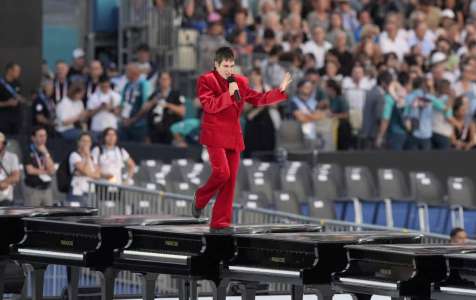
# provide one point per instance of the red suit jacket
(221, 113)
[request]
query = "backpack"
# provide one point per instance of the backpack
(64, 176)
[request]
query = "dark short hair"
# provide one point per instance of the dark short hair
(143, 47)
(333, 84)
(83, 134)
(302, 82)
(269, 34)
(106, 132)
(384, 78)
(455, 231)
(104, 78)
(224, 53)
(457, 104)
(10, 65)
(35, 129)
(312, 71)
(75, 88)
(276, 50)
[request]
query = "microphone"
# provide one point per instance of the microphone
(237, 93)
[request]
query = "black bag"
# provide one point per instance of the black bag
(64, 176)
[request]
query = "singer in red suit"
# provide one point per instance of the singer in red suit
(222, 95)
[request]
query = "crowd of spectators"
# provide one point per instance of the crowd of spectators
(366, 74)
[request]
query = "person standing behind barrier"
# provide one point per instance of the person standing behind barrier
(60, 82)
(166, 106)
(9, 172)
(458, 236)
(112, 159)
(92, 82)
(103, 107)
(392, 126)
(463, 137)
(39, 169)
(10, 99)
(77, 71)
(70, 113)
(83, 169)
(135, 94)
(44, 107)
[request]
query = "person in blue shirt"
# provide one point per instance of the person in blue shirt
(420, 104)
(134, 95)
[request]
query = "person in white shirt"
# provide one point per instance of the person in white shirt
(104, 108)
(394, 39)
(83, 169)
(112, 159)
(9, 172)
(422, 37)
(70, 113)
(318, 46)
(355, 89)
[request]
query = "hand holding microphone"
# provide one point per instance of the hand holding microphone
(233, 88)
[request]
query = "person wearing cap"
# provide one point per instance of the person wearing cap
(39, 169)
(9, 172)
(77, 71)
(447, 19)
(10, 99)
(103, 107)
(439, 69)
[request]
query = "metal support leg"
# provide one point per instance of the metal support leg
(193, 286)
(107, 284)
(323, 291)
(183, 292)
(297, 292)
(3, 265)
(219, 292)
(249, 290)
(148, 285)
(38, 276)
(73, 282)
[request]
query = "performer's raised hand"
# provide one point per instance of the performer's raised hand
(286, 81)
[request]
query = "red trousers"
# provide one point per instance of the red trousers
(225, 164)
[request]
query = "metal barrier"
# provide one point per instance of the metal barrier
(116, 199)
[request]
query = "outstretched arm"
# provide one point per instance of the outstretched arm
(211, 103)
(271, 97)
